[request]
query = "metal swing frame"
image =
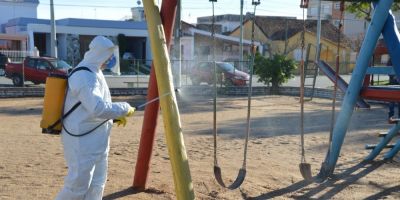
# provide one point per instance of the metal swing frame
(217, 169)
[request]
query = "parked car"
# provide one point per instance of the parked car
(3, 61)
(36, 69)
(226, 72)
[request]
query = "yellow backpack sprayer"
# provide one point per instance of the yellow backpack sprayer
(54, 97)
(53, 105)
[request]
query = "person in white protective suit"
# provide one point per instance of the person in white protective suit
(87, 156)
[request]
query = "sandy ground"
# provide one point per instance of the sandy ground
(32, 164)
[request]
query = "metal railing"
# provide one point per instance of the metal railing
(17, 56)
(135, 73)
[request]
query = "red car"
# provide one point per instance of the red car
(36, 70)
(230, 76)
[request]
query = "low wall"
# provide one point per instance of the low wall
(243, 91)
(15, 92)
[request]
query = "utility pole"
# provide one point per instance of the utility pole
(318, 31)
(178, 72)
(286, 36)
(53, 40)
(241, 37)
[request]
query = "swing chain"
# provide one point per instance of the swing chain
(302, 79)
(217, 170)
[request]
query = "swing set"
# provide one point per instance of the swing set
(381, 22)
(160, 24)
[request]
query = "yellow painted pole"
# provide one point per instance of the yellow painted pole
(172, 123)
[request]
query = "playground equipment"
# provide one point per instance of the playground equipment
(305, 168)
(173, 129)
(217, 169)
(167, 13)
(182, 180)
(382, 22)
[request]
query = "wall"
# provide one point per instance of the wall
(188, 48)
(247, 29)
(326, 9)
(201, 43)
(328, 51)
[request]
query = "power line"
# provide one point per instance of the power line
(91, 6)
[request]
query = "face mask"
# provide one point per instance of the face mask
(110, 63)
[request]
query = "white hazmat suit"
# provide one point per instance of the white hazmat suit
(87, 156)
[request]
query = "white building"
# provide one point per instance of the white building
(74, 35)
(10, 9)
(227, 22)
(353, 27)
(138, 14)
(21, 30)
(326, 10)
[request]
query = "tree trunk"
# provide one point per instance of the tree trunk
(274, 88)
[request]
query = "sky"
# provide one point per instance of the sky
(191, 9)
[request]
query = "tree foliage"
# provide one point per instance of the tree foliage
(363, 10)
(274, 71)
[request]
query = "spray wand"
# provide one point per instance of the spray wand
(151, 101)
(146, 103)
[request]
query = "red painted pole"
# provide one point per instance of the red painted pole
(168, 12)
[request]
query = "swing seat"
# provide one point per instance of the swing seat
(305, 170)
(239, 179)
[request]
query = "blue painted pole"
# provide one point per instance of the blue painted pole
(390, 154)
(392, 132)
(381, 12)
(392, 40)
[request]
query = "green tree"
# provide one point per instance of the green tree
(363, 10)
(274, 71)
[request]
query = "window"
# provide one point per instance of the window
(205, 50)
(336, 23)
(31, 63)
(337, 6)
(41, 64)
(314, 12)
(297, 54)
(326, 10)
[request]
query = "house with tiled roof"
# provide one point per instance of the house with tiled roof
(284, 36)
(197, 44)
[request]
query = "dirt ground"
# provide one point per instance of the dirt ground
(32, 164)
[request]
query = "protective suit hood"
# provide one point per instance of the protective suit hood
(100, 49)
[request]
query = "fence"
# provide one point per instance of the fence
(133, 73)
(17, 56)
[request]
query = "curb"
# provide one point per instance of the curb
(20, 92)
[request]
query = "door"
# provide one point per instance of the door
(44, 68)
(30, 69)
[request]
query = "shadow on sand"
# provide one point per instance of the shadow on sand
(131, 191)
(330, 188)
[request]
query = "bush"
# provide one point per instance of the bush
(274, 71)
